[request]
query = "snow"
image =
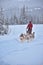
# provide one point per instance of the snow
(14, 52)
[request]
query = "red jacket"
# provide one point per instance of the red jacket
(29, 26)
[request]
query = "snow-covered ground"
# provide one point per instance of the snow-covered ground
(14, 52)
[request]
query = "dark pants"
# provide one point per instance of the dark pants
(29, 31)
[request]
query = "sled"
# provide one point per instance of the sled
(27, 36)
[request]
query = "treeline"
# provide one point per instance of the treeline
(23, 17)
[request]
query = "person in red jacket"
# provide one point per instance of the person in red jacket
(29, 27)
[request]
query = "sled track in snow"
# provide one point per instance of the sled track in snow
(23, 49)
(3, 63)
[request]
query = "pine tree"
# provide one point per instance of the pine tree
(3, 26)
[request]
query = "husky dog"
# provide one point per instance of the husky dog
(22, 36)
(27, 36)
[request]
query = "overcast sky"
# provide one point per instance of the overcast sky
(19, 3)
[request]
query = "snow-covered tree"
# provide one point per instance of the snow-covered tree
(1, 16)
(3, 26)
(15, 19)
(22, 15)
(25, 17)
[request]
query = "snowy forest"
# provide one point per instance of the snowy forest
(21, 43)
(21, 15)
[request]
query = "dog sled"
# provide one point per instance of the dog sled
(27, 36)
